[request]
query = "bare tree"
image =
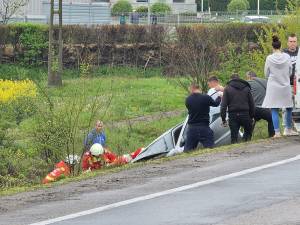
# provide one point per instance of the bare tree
(192, 57)
(8, 8)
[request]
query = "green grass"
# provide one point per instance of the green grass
(131, 97)
(134, 92)
(17, 72)
(128, 138)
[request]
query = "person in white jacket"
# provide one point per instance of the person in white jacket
(278, 69)
(216, 89)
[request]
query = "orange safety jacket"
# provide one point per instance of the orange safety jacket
(92, 162)
(61, 169)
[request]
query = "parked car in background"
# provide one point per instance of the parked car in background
(256, 19)
(172, 141)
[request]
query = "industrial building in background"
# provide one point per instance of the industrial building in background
(87, 11)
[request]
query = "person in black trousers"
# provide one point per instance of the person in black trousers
(238, 100)
(258, 91)
(198, 106)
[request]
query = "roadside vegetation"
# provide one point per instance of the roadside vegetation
(41, 125)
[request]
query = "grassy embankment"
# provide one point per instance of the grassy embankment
(133, 93)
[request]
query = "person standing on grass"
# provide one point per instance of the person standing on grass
(278, 69)
(258, 91)
(215, 87)
(198, 106)
(238, 100)
(97, 135)
(292, 50)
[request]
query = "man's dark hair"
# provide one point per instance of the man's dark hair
(213, 78)
(251, 74)
(292, 35)
(235, 76)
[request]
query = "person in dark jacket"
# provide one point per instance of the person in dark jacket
(292, 51)
(198, 106)
(238, 100)
(258, 91)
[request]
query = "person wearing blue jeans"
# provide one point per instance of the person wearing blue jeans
(278, 69)
(287, 120)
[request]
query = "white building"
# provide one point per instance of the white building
(74, 11)
(35, 7)
(91, 11)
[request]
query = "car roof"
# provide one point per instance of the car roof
(257, 17)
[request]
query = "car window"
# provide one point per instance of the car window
(176, 133)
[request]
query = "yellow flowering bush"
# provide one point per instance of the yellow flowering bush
(11, 90)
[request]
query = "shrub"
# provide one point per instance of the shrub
(121, 6)
(11, 90)
(234, 59)
(33, 41)
(117, 45)
(160, 7)
(17, 98)
(236, 5)
(142, 9)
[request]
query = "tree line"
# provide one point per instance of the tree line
(221, 5)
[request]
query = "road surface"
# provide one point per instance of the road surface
(255, 184)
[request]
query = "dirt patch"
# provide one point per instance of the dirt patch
(139, 175)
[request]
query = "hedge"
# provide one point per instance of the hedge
(109, 44)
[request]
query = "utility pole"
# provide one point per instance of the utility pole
(257, 7)
(55, 72)
(201, 5)
(148, 12)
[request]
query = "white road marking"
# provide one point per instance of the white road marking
(167, 192)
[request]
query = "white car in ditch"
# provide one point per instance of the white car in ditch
(172, 141)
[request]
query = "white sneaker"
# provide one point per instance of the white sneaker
(277, 135)
(290, 132)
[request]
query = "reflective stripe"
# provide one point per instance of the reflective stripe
(50, 178)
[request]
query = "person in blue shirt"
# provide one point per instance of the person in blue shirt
(97, 135)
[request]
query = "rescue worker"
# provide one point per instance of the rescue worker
(97, 157)
(198, 106)
(97, 135)
(62, 169)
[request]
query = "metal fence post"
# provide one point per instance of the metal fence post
(149, 12)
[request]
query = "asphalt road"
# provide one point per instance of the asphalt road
(266, 196)
(214, 203)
